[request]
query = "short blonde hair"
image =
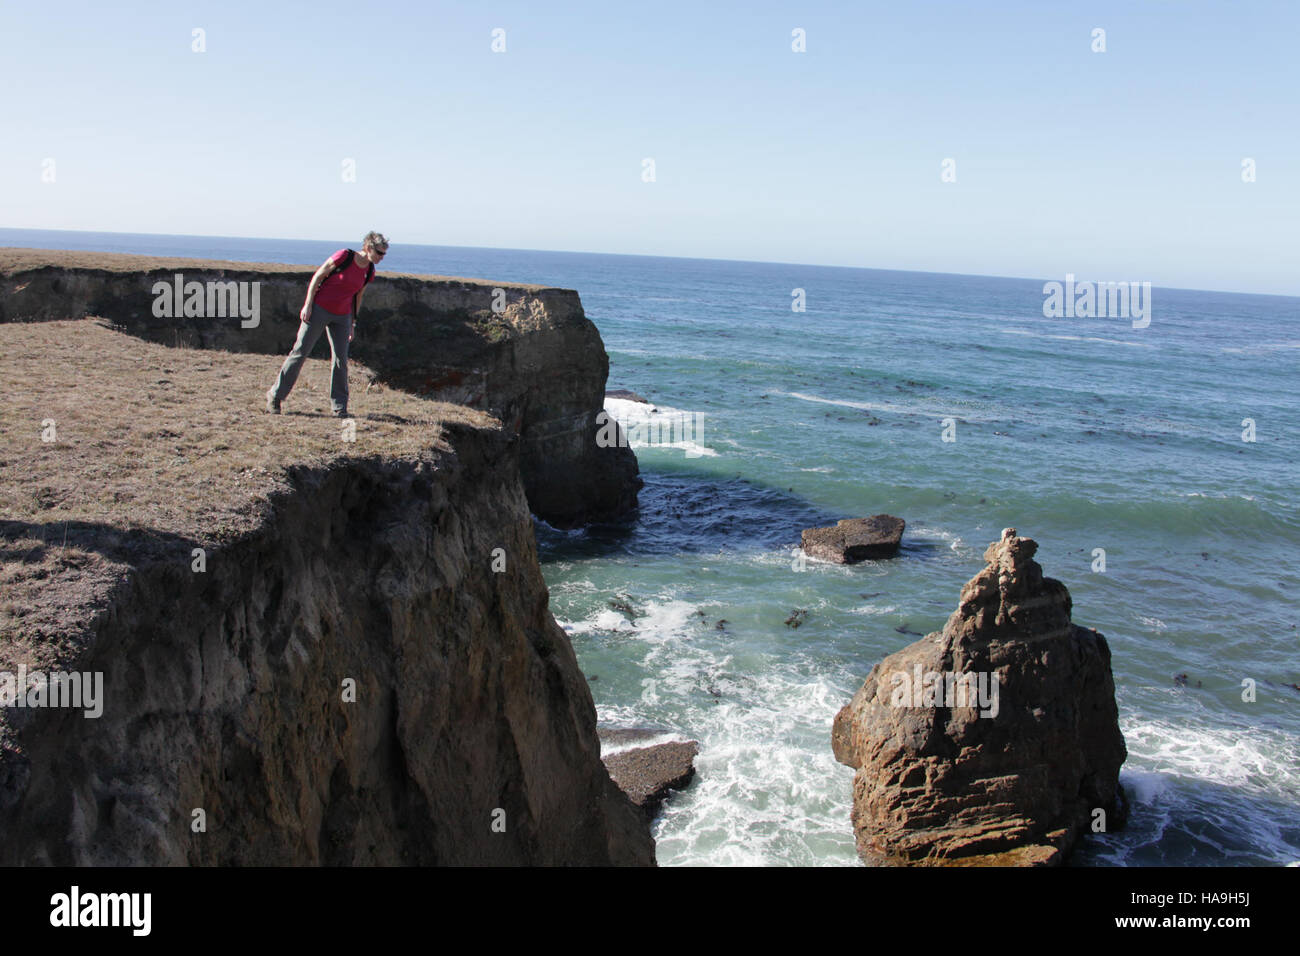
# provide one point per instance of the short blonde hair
(376, 241)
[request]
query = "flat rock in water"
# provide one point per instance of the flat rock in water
(627, 736)
(855, 539)
(648, 773)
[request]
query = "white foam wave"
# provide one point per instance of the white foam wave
(572, 586)
(1261, 348)
(767, 789)
(1028, 333)
(846, 403)
(1250, 771)
(954, 541)
(627, 409)
(606, 619)
(668, 737)
(872, 609)
(764, 794)
(919, 407)
(692, 449)
(1256, 759)
(661, 426)
(1146, 787)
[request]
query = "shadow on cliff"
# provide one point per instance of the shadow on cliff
(359, 416)
(32, 542)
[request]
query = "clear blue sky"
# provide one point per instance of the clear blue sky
(1123, 165)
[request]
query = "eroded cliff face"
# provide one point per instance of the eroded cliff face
(403, 561)
(526, 353)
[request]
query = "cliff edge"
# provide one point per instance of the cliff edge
(307, 642)
(526, 354)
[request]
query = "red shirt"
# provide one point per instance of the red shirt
(336, 292)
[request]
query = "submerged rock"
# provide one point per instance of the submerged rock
(855, 539)
(1005, 766)
(627, 395)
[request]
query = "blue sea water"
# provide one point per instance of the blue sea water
(1083, 433)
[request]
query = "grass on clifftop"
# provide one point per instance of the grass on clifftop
(108, 442)
(16, 259)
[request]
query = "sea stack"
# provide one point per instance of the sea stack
(993, 742)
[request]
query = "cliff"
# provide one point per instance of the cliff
(527, 354)
(994, 742)
(316, 646)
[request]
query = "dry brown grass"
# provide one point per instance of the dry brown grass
(156, 445)
(16, 259)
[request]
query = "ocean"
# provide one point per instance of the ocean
(952, 402)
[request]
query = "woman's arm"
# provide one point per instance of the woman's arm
(356, 311)
(321, 275)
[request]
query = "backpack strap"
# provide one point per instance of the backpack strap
(347, 261)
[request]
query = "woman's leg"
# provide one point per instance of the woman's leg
(339, 328)
(308, 336)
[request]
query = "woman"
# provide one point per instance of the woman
(332, 304)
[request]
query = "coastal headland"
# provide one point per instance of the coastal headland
(316, 642)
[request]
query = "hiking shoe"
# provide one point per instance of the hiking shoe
(272, 403)
(340, 413)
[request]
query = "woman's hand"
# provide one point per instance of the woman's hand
(320, 276)
(352, 330)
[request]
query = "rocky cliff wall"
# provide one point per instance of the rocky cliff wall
(401, 559)
(525, 353)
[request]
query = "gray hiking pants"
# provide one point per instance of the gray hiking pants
(337, 328)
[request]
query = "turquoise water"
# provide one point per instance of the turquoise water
(1081, 433)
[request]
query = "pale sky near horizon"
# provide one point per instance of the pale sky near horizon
(1123, 165)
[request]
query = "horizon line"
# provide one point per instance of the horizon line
(634, 255)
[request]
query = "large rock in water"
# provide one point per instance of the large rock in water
(1008, 775)
(646, 767)
(854, 539)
